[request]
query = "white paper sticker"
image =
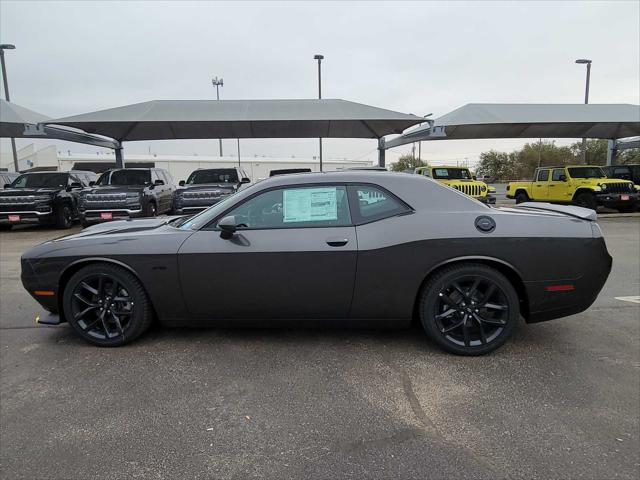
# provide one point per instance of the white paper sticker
(310, 205)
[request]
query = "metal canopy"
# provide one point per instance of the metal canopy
(20, 122)
(525, 120)
(191, 119)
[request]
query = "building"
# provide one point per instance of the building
(180, 166)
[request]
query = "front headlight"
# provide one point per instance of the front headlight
(603, 187)
(483, 188)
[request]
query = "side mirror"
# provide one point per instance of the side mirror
(245, 180)
(563, 178)
(7, 185)
(227, 227)
(181, 183)
(92, 183)
(159, 182)
(474, 177)
(74, 186)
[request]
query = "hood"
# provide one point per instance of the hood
(20, 192)
(224, 188)
(115, 189)
(120, 226)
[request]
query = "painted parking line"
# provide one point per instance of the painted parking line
(635, 299)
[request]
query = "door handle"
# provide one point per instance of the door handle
(337, 242)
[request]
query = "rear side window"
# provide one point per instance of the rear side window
(557, 173)
(371, 203)
(543, 175)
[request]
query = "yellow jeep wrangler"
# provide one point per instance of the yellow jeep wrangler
(583, 185)
(461, 179)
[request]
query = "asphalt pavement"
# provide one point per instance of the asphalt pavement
(560, 400)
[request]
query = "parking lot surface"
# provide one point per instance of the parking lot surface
(560, 400)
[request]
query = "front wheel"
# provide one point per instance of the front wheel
(522, 197)
(628, 209)
(106, 305)
(151, 210)
(586, 200)
(64, 217)
(469, 309)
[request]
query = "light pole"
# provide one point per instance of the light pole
(319, 58)
(3, 47)
(587, 62)
(218, 82)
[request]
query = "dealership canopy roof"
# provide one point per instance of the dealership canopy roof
(20, 122)
(186, 119)
(526, 120)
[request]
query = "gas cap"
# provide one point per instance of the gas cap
(485, 224)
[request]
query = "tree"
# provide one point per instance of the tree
(596, 151)
(628, 157)
(407, 162)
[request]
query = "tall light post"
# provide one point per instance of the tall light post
(218, 82)
(3, 47)
(587, 62)
(319, 58)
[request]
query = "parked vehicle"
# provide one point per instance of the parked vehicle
(7, 178)
(461, 179)
(127, 193)
(583, 185)
(350, 246)
(48, 198)
(285, 171)
(206, 187)
(625, 172)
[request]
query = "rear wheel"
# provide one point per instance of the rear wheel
(106, 305)
(469, 309)
(586, 200)
(64, 217)
(522, 197)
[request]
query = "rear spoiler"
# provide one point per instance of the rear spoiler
(570, 210)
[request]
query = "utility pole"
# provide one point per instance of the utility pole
(3, 47)
(319, 58)
(587, 62)
(218, 82)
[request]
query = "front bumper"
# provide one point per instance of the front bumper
(615, 200)
(26, 216)
(94, 215)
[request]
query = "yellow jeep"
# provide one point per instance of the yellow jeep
(461, 179)
(583, 185)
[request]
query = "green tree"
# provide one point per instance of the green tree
(407, 162)
(628, 157)
(596, 151)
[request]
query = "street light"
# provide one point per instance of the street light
(587, 62)
(319, 58)
(218, 82)
(3, 47)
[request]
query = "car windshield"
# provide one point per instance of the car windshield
(221, 175)
(451, 173)
(41, 180)
(586, 172)
(125, 177)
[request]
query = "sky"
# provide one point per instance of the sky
(415, 57)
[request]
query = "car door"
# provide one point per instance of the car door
(293, 256)
(540, 188)
(558, 187)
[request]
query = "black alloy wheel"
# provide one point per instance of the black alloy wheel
(106, 305)
(469, 309)
(64, 217)
(586, 200)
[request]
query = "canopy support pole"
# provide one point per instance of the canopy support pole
(612, 150)
(381, 152)
(119, 157)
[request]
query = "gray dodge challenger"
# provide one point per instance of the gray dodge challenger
(339, 247)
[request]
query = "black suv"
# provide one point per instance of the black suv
(626, 172)
(206, 187)
(127, 193)
(43, 197)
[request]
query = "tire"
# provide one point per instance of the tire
(586, 200)
(6, 226)
(522, 197)
(84, 223)
(483, 316)
(151, 210)
(90, 296)
(64, 217)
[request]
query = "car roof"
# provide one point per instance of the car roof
(449, 166)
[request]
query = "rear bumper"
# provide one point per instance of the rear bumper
(552, 299)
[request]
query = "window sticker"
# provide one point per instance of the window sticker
(310, 205)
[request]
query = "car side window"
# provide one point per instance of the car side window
(373, 203)
(557, 173)
(295, 207)
(543, 175)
